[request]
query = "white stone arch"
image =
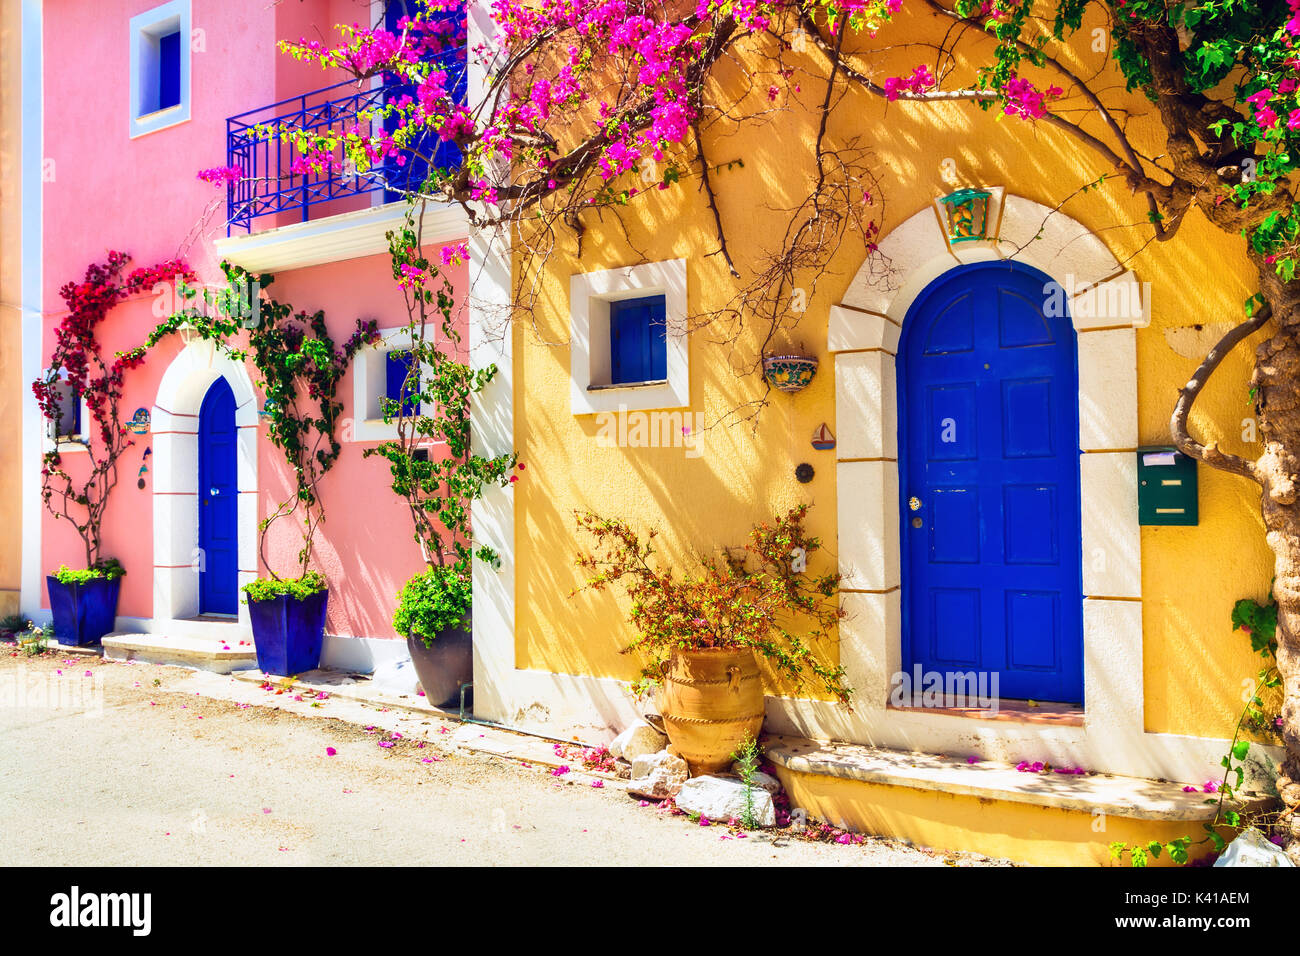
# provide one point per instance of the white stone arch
(1107, 305)
(175, 426)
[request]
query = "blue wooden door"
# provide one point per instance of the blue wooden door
(989, 446)
(218, 502)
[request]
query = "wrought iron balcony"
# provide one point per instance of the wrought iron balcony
(269, 185)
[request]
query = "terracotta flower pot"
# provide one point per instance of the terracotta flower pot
(710, 700)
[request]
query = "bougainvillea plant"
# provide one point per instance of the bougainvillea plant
(299, 369)
(76, 487)
(760, 596)
(591, 106)
(432, 464)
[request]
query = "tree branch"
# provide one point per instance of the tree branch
(1187, 395)
(707, 182)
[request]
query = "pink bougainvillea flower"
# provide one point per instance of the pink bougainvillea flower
(1210, 787)
(972, 759)
(1189, 789)
(330, 752)
(385, 743)
(221, 175)
(560, 771)
(597, 784)
(704, 821)
(454, 255)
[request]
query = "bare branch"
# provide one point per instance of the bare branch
(1187, 395)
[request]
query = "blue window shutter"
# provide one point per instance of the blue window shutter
(76, 414)
(398, 364)
(638, 348)
(169, 70)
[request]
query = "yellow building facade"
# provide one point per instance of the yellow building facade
(1163, 670)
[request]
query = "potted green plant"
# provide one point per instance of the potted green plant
(705, 628)
(436, 472)
(299, 370)
(76, 485)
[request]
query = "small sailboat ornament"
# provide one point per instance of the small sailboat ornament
(823, 439)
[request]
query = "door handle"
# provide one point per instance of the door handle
(914, 504)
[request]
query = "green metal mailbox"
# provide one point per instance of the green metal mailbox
(1166, 487)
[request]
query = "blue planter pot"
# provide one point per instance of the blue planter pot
(83, 613)
(288, 633)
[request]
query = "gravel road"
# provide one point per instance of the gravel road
(147, 765)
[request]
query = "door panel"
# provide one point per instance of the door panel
(988, 421)
(218, 502)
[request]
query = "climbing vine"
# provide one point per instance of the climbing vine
(431, 462)
(299, 368)
(80, 371)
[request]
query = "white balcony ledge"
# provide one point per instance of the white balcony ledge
(349, 235)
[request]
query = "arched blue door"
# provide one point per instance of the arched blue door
(218, 502)
(989, 449)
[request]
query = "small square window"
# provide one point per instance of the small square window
(397, 365)
(378, 373)
(169, 70)
(68, 427)
(638, 344)
(160, 67)
(628, 338)
(69, 431)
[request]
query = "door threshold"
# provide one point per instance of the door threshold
(1013, 711)
(211, 618)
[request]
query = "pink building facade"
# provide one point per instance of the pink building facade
(125, 130)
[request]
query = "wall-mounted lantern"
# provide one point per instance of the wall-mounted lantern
(966, 214)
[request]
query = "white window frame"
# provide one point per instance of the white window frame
(67, 443)
(370, 382)
(590, 294)
(145, 29)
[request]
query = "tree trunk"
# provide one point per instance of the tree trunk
(1277, 382)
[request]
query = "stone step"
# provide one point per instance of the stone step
(1090, 792)
(84, 650)
(986, 806)
(209, 654)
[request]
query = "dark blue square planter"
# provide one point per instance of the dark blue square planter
(288, 633)
(83, 613)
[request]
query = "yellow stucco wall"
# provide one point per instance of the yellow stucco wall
(1191, 576)
(11, 385)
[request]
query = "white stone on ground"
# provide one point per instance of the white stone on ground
(638, 739)
(658, 775)
(760, 779)
(722, 798)
(1251, 848)
(395, 677)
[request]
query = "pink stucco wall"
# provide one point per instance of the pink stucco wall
(141, 196)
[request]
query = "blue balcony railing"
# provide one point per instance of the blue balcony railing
(269, 186)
